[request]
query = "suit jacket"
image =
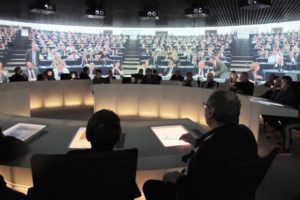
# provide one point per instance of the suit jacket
(17, 78)
(222, 145)
(28, 57)
(209, 84)
(35, 70)
(246, 88)
(219, 69)
(3, 78)
(11, 148)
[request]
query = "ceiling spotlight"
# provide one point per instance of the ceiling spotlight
(42, 7)
(199, 11)
(95, 13)
(148, 15)
(254, 4)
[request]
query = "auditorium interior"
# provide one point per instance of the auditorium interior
(156, 65)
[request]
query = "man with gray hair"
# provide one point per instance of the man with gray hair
(226, 142)
(33, 55)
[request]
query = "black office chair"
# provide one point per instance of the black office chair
(85, 176)
(241, 179)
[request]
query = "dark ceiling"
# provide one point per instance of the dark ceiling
(124, 13)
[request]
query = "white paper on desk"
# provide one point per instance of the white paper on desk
(23, 131)
(79, 141)
(169, 135)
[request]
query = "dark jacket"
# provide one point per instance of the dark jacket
(17, 78)
(176, 78)
(246, 88)
(220, 146)
(11, 148)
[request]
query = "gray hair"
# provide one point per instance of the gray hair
(226, 107)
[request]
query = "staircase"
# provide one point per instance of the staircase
(131, 57)
(242, 57)
(16, 57)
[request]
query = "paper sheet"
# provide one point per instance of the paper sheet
(23, 131)
(169, 135)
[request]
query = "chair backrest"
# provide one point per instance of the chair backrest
(241, 179)
(85, 176)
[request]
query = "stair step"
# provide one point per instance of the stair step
(242, 61)
(132, 59)
(237, 69)
(131, 62)
(15, 63)
(17, 59)
(240, 65)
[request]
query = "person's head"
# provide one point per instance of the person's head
(98, 73)
(117, 64)
(74, 75)
(178, 73)
(110, 73)
(272, 77)
(255, 67)
(233, 75)
(155, 72)
(201, 64)
(103, 130)
(277, 82)
(210, 76)
(286, 82)
(49, 73)
(18, 71)
(141, 72)
(29, 65)
(86, 70)
(244, 77)
(146, 63)
(222, 108)
(1, 66)
(189, 76)
(213, 60)
(148, 72)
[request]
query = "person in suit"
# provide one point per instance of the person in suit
(210, 82)
(18, 76)
(148, 78)
(156, 77)
(177, 76)
(33, 55)
(244, 86)
(110, 75)
(233, 78)
(219, 67)
(226, 142)
(3, 74)
(98, 79)
(188, 82)
(31, 72)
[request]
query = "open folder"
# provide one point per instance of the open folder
(23, 131)
(169, 135)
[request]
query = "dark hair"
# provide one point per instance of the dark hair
(99, 70)
(103, 130)
(155, 71)
(288, 79)
(17, 69)
(245, 74)
(226, 107)
(85, 69)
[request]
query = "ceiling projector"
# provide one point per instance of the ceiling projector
(254, 4)
(42, 8)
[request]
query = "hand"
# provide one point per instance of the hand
(171, 177)
(188, 138)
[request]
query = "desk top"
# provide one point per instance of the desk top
(152, 154)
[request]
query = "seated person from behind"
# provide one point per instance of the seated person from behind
(74, 75)
(98, 79)
(188, 82)
(245, 86)
(270, 82)
(210, 82)
(148, 78)
(253, 73)
(103, 131)
(233, 78)
(177, 76)
(226, 142)
(274, 89)
(156, 77)
(18, 76)
(49, 75)
(7, 193)
(138, 77)
(85, 73)
(110, 75)
(11, 147)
